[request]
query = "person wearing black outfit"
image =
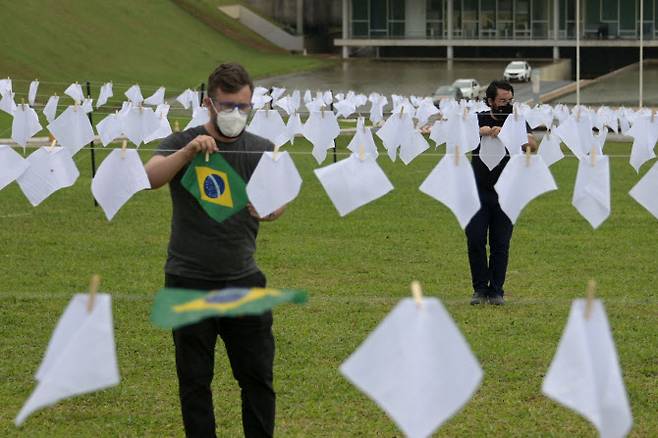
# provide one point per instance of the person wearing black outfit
(207, 255)
(490, 221)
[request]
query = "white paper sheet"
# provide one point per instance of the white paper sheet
(577, 135)
(492, 151)
(452, 182)
(363, 137)
(81, 355)
(644, 192)
(514, 134)
(200, 116)
(32, 92)
(134, 94)
(321, 129)
(520, 183)
(50, 110)
(462, 131)
(549, 148)
(104, 94)
(352, 183)
(269, 124)
(109, 129)
(416, 366)
(12, 165)
(72, 129)
(585, 375)
(25, 124)
(75, 92)
(140, 123)
(7, 103)
(49, 171)
(274, 183)
(591, 193)
(397, 130)
(118, 179)
(157, 98)
(164, 128)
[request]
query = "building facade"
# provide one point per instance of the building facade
(496, 23)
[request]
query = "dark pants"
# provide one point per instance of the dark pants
(489, 275)
(250, 348)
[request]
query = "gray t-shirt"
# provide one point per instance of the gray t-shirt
(199, 246)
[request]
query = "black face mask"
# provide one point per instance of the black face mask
(504, 110)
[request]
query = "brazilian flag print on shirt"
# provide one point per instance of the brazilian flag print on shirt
(221, 192)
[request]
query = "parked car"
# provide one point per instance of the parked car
(517, 71)
(446, 92)
(470, 88)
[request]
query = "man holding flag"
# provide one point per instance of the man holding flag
(212, 245)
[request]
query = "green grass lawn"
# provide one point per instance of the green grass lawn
(356, 269)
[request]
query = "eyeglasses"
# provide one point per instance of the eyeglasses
(227, 107)
(504, 101)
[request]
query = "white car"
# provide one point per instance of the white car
(517, 71)
(470, 88)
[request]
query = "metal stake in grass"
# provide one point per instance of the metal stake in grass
(591, 292)
(93, 288)
(417, 293)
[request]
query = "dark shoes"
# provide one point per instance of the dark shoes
(496, 300)
(478, 298)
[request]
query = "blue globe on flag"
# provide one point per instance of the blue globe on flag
(213, 186)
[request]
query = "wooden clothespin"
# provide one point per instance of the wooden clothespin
(176, 126)
(275, 153)
(207, 156)
(93, 288)
(456, 155)
(124, 145)
(401, 110)
(417, 293)
(653, 115)
(593, 155)
(578, 115)
(465, 112)
(528, 155)
(53, 142)
(591, 292)
(362, 151)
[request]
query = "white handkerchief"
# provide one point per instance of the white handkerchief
(81, 355)
(274, 183)
(645, 135)
(591, 194)
(139, 123)
(549, 148)
(577, 135)
(492, 151)
(397, 130)
(363, 137)
(118, 179)
(109, 129)
(277, 92)
(72, 129)
(417, 366)
(200, 116)
(156, 98)
(134, 94)
(186, 98)
(7, 103)
(344, 108)
(585, 375)
(321, 129)
(351, 183)
(88, 105)
(644, 192)
(514, 134)
(164, 127)
(104, 94)
(12, 165)
(32, 93)
(426, 110)
(5, 86)
(25, 124)
(294, 127)
(520, 183)
(438, 133)
(50, 110)
(462, 131)
(49, 171)
(452, 182)
(269, 124)
(415, 146)
(75, 92)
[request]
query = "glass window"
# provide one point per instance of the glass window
(434, 29)
(360, 29)
(359, 9)
(434, 10)
(396, 28)
(505, 10)
(396, 10)
(609, 9)
(592, 13)
(540, 10)
(627, 16)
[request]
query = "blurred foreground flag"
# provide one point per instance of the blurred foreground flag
(416, 366)
(178, 307)
(585, 375)
(81, 356)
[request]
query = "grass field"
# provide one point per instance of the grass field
(356, 269)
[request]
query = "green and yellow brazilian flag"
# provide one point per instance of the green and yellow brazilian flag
(175, 308)
(216, 185)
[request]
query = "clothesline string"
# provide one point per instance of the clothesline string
(426, 154)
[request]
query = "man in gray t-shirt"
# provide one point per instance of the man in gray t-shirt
(207, 255)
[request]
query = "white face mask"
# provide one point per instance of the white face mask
(231, 124)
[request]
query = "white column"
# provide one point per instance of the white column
(556, 29)
(449, 13)
(346, 24)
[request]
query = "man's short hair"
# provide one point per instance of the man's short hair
(496, 85)
(230, 78)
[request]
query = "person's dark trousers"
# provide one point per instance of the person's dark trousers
(490, 221)
(250, 348)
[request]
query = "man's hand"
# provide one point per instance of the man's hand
(201, 143)
(495, 131)
(269, 218)
(490, 131)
